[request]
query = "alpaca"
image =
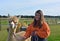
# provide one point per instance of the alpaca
(14, 29)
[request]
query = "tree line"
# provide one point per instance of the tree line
(26, 16)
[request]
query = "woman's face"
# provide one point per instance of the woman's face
(37, 16)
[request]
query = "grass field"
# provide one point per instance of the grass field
(55, 33)
(54, 36)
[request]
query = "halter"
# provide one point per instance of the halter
(12, 24)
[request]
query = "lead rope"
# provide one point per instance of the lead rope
(36, 38)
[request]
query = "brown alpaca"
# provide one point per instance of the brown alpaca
(15, 29)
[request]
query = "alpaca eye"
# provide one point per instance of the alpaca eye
(10, 21)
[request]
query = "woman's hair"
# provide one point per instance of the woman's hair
(39, 22)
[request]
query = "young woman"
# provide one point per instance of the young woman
(39, 29)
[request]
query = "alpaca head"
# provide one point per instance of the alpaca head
(13, 21)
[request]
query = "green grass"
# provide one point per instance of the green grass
(55, 33)
(3, 21)
(3, 33)
(54, 36)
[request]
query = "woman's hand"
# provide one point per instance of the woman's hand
(34, 33)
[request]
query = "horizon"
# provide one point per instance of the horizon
(27, 15)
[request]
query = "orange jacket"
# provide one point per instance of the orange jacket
(43, 32)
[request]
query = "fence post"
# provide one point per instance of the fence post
(0, 24)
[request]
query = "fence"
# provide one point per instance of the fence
(4, 21)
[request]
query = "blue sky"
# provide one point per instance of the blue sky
(28, 7)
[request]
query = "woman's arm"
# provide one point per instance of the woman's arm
(28, 32)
